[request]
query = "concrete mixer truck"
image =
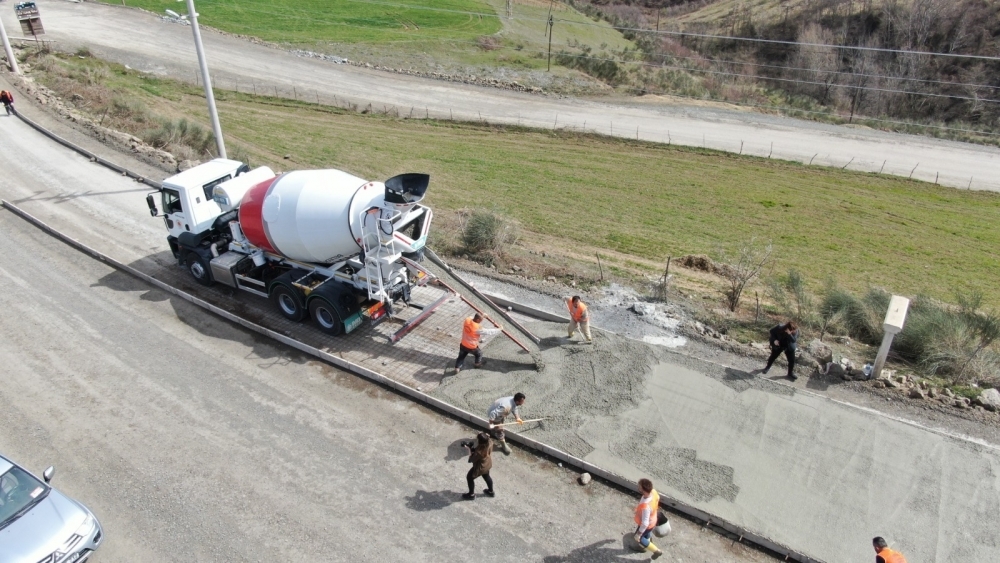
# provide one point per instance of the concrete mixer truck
(322, 244)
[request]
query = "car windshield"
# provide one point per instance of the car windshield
(19, 491)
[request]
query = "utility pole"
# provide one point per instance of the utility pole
(510, 9)
(658, 19)
(10, 52)
(551, 23)
(206, 79)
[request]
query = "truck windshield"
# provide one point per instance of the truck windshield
(19, 491)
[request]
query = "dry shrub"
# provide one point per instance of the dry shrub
(487, 234)
(488, 42)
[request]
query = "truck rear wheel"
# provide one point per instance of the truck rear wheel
(198, 267)
(326, 316)
(289, 301)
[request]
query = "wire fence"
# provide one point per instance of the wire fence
(939, 166)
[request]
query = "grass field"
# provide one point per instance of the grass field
(593, 193)
(458, 36)
(367, 21)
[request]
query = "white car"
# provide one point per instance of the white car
(38, 524)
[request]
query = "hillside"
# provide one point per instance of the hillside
(871, 69)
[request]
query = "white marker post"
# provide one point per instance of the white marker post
(892, 325)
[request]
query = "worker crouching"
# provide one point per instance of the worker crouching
(578, 317)
(498, 414)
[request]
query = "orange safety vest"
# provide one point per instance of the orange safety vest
(890, 556)
(654, 507)
(579, 312)
(470, 334)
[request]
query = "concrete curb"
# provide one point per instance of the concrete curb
(718, 525)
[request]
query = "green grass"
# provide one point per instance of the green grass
(348, 21)
(641, 199)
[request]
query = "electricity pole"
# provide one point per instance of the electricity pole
(550, 23)
(207, 80)
(10, 52)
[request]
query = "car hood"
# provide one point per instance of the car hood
(43, 529)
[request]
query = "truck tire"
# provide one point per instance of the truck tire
(199, 268)
(289, 301)
(328, 317)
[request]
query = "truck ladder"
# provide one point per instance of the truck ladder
(377, 247)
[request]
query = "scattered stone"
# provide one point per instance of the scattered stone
(932, 393)
(644, 309)
(834, 369)
(960, 403)
(891, 384)
(879, 384)
(287, 156)
(516, 268)
(820, 351)
(948, 392)
(585, 479)
(550, 278)
(916, 393)
(990, 400)
(846, 376)
(759, 345)
(844, 340)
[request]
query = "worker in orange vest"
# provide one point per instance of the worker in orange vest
(884, 554)
(645, 517)
(578, 317)
(472, 333)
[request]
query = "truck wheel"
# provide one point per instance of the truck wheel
(327, 316)
(199, 268)
(289, 302)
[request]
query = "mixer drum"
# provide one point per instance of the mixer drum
(309, 215)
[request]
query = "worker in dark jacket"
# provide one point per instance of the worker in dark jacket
(885, 555)
(784, 338)
(482, 461)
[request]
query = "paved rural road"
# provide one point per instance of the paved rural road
(194, 440)
(145, 42)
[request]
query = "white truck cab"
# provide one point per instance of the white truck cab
(188, 206)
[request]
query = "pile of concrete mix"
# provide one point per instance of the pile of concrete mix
(594, 397)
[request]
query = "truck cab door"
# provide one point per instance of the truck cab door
(174, 214)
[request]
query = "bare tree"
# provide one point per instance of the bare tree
(741, 268)
(821, 63)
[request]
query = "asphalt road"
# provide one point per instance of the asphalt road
(146, 42)
(194, 440)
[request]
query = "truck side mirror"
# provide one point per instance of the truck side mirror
(48, 473)
(151, 202)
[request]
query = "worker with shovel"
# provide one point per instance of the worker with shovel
(472, 333)
(578, 317)
(498, 413)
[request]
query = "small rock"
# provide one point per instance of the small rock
(846, 376)
(644, 309)
(891, 384)
(879, 384)
(932, 393)
(759, 345)
(550, 278)
(820, 351)
(990, 399)
(834, 369)
(948, 392)
(585, 479)
(287, 156)
(916, 393)
(959, 404)
(516, 268)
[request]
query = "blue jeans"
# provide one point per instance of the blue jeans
(645, 538)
